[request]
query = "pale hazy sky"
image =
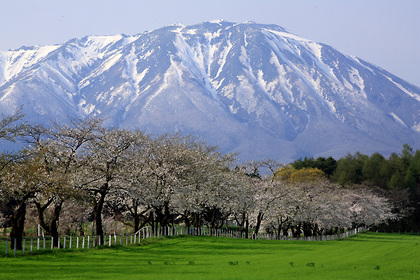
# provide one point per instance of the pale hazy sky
(383, 32)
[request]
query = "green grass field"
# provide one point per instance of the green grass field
(364, 256)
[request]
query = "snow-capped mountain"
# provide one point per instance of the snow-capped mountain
(249, 88)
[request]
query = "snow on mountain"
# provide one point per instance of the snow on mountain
(250, 88)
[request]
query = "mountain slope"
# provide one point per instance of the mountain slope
(249, 88)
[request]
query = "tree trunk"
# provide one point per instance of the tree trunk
(213, 221)
(159, 218)
(136, 216)
(41, 211)
(296, 231)
(18, 224)
(166, 216)
(97, 212)
(152, 222)
(136, 223)
(286, 230)
(145, 221)
(260, 217)
(195, 219)
(81, 229)
(307, 229)
(186, 219)
(246, 228)
(51, 228)
(54, 222)
(278, 231)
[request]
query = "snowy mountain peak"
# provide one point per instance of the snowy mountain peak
(251, 88)
(217, 21)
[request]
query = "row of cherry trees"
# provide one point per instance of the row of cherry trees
(69, 175)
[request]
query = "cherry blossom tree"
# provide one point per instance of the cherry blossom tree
(204, 194)
(319, 207)
(263, 173)
(367, 208)
(20, 181)
(107, 157)
(59, 147)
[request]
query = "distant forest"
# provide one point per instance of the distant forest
(397, 177)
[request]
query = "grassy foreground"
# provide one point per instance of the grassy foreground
(364, 256)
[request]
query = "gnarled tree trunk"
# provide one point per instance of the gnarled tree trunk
(18, 224)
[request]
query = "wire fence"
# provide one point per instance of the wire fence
(399, 231)
(45, 243)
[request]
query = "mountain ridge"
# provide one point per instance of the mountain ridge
(251, 88)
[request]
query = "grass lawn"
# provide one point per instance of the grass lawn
(364, 256)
